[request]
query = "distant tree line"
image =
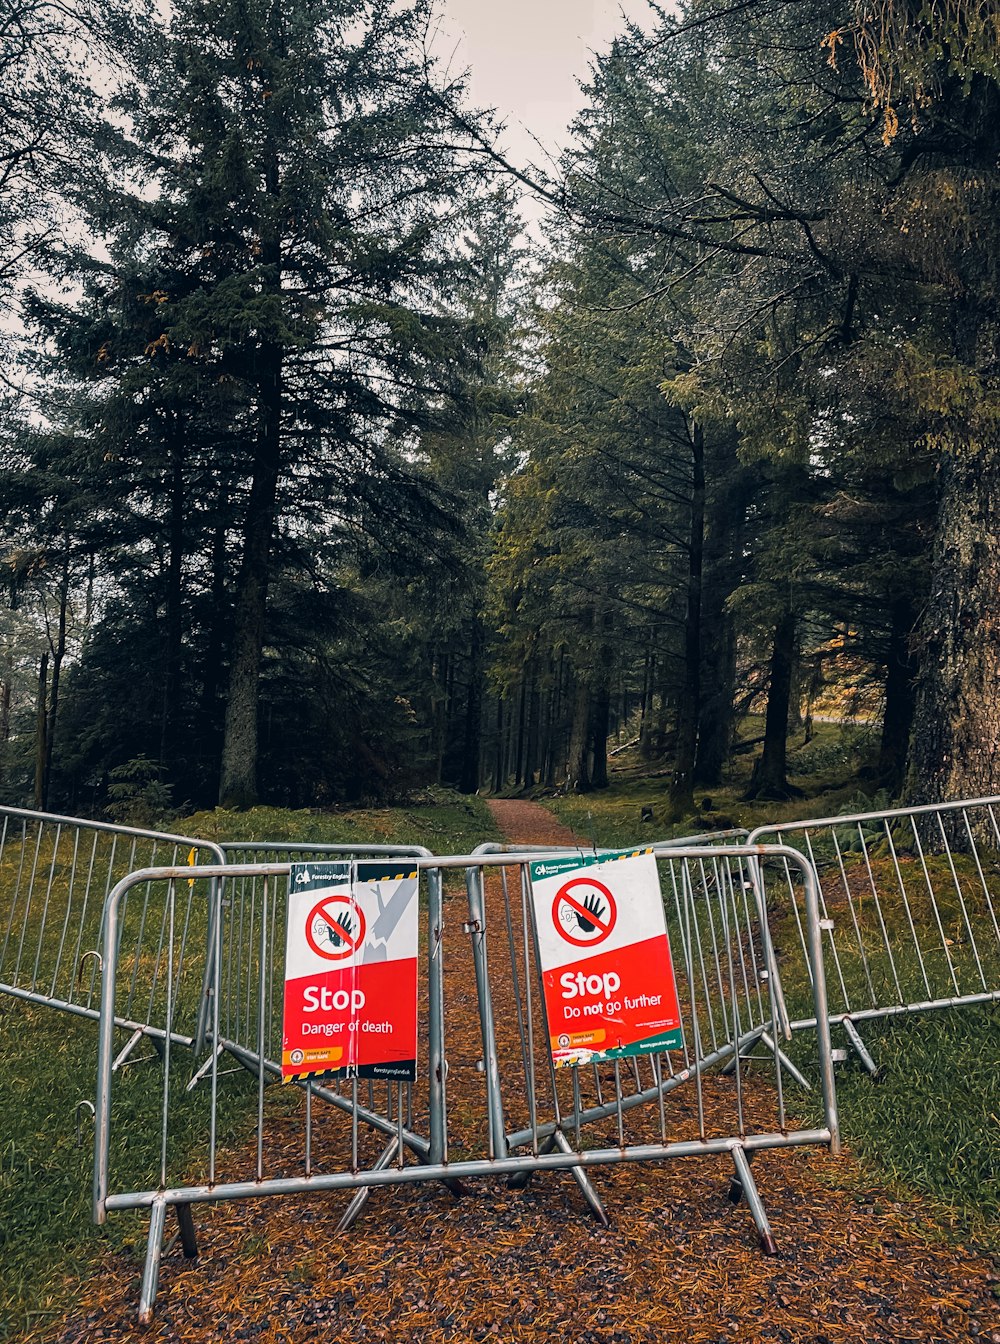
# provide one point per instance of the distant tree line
(318, 484)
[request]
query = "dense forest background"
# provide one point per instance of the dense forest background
(319, 483)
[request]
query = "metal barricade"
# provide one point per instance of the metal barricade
(585, 1120)
(55, 874)
(729, 1001)
(910, 904)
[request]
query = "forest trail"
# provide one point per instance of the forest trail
(524, 823)
(678, 1263)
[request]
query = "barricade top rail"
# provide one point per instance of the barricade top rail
(884, 814)
(432, 862)
(112, 828)
(589, 847)
(322, 847)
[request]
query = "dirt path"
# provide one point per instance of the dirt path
(678, 1264)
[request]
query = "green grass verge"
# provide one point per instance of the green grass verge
(48, 1244)
(931, 1122)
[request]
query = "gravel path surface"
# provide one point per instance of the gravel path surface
(678, 1263)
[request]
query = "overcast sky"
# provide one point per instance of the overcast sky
(526, 57)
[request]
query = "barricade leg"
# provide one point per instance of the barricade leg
(353, 1211)
(745, 1186)
(764, 1038)
(151, 1270)
(205, 1069)
(860, 1049)
(583, 1181)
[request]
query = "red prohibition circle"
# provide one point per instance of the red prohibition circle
(343, 939)
(582, 912)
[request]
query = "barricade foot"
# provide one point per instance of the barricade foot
(583, 1181)
(123, 1055)
(151, 1269)
(860, 1049)
(204, 1070)
(785, 1062)
(353, 1211)
(747, 1053)
(743, 1184)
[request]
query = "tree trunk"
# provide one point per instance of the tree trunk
(238, 784)
(41, 725)
(600, 713)
(681, 793)
(715, 725)
(531, 752)
(900, 694)
(578, 765)
(169, 719)
(472, 744)
(646, 711)
(58, 650)
(955, 746)
(498, 757)
(769, 776)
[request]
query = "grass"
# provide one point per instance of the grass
(931, 1122)
(48, 1244)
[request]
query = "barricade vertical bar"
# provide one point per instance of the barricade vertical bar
(688, 900)
(829, 1087)
(69, 907)
(214, 977)
(974, 848)
(27, 904)
(961, 899)
(477, 921)
(532, 1073)
(261, 1054)
(526, 1061)
(436, 1063)
(171, 890)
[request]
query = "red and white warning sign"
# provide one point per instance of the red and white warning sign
(350, 1006)
(605, 957)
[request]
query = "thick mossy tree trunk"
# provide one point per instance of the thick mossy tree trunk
(769, 778)
(955, 745)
